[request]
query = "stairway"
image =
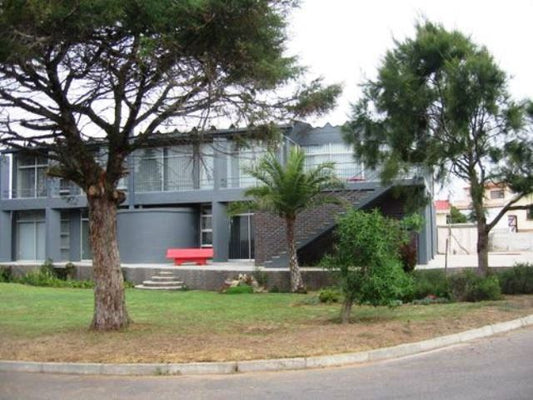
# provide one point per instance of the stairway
(312, 228)
(163, 280)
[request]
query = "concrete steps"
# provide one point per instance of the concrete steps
(163, 280)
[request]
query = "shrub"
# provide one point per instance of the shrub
(49, 276)
(329, 295)
(468, 286)
(241, 289)
(6, 274)
(43, 276)
(517, 280)
(65, 273)
(260, 276)
(429, 283)
(366, 261)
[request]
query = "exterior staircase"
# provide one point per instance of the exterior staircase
(313, 229)
(163, 280)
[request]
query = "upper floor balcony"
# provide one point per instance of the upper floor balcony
(210, 166)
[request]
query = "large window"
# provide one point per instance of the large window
(242, 159)
(177, 168)
(31, 177)
(242, 244)
(346, 166)
(64, 237)
(86, 253)
(31, 235)
(206, 227)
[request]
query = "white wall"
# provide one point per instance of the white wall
(463, 240)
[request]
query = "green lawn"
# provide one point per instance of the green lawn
(51, 324)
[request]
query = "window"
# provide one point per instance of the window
(178, 162)
(248, 158)
(341, 154)
(31, 236)
(64, 237)
(206, 227)
(206, 161)
(497, 194)
(31, 177)
(86, 253)
(165, 169)
(529, 213)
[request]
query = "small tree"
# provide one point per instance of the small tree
(441, 101)
(366, 260)
(286, 190)
(456, 216)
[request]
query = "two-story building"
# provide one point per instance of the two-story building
(178, 191)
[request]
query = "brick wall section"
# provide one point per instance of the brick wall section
(270, 235)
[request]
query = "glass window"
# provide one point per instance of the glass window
(179, 166)
(148, 170)
(31, 177)
(497, 194)
(248, 158)
(86, 253)
(65, 237)
(206, 161)
(206, 227)
(31, 235)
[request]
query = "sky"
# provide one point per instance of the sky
(344, 41)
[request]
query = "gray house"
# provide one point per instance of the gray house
(177, 195)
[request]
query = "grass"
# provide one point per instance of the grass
(47, 324)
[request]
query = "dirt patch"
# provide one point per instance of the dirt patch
(144, 343)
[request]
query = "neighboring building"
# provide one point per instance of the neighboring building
(177, 196)
(496, 196)
(442, 212)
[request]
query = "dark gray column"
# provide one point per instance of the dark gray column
(6, 236)
(425, 237)
(221, 232)
(53, 237)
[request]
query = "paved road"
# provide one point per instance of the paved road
(494, 368)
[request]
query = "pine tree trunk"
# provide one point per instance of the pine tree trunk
(346, 311)
(109, 301)
(297, 284)
(477, 193)
(482, 249)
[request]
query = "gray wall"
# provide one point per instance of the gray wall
(144, 235)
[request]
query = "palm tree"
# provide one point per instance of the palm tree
(286, 190)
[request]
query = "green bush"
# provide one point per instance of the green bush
(6, 274)
(366, 261)
(468, 286)
(517, 280)
(329, 295)
(429, 283)
(48, 275)
(241, 289)
(41, 277)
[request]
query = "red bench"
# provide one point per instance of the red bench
(198, 256)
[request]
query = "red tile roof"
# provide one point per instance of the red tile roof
(442, 205)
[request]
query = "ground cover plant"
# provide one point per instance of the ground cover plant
(49, 324)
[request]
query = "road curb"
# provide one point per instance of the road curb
(281, 364)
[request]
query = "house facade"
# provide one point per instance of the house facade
(177, 194)
(496, 197)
